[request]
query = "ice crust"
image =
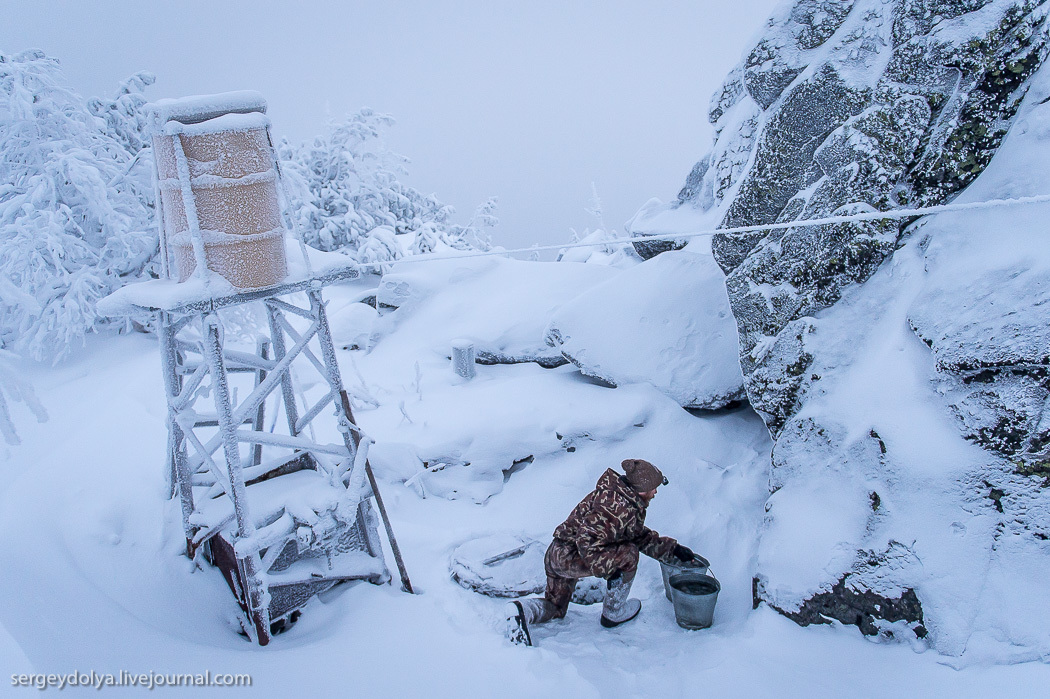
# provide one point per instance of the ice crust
(197, 108)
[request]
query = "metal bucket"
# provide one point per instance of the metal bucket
(694, 597)
(698, 565)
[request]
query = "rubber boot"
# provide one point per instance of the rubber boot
(521, 613)
(617, 608)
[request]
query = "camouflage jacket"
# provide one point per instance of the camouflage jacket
(608, 518)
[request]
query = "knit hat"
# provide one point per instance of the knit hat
(642, 475)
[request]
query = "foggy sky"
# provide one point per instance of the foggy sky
(527, 101)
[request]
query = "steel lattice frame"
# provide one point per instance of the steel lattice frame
(217, 446)
(282, 516)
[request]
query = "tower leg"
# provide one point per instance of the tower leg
(256, 592)
(260, 414)
(178, 474)
(352, 438)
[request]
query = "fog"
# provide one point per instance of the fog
(530, 102)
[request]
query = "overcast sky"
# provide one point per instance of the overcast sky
(527, 101)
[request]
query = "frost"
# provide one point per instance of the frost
(345, 194)
(75, 213)
(14, 390)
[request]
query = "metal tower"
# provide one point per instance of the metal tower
(282, 515)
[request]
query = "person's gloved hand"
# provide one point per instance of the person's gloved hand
(683, 553)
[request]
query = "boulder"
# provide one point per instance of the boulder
(501, 305)
(989, 334)
(665, 322)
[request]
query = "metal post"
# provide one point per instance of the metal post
(463, 359)
(279, 350)
(190, 207)
(351, 437)
(158, 200)
(260, 414)
(178, 473)
(257, 596)
(335, 380)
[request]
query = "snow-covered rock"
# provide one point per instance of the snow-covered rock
(841, 108)
(898, 368)
(909, 476)
(501, 305)
(462, 439)
(882, 514)
(900, 107)
(665, 322)
(351, 323)
(984, 315)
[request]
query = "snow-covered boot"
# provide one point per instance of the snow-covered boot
(617, 608)
(518, 625)
(521, 613)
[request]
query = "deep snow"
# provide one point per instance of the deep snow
(93, 578)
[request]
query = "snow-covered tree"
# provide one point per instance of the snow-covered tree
(14, 389)
(74, 217)
(76, 201)
(600, 246)
(125, 114)
(125, 117)
(346, 195)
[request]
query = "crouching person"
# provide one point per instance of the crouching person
(602, 537)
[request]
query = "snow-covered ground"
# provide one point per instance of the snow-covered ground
(92, 577)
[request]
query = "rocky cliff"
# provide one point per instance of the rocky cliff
(901, 366)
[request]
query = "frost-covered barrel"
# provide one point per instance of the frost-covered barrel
(213, 157)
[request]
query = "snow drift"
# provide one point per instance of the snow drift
(665, 322)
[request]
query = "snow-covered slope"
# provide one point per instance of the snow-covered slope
(92, 554)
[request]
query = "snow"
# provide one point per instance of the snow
(92, 553)
(198, 108)
(501, 305)
(225, 122)
(666, 322)
(99, 560)
(975, 570)
(11, 654)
